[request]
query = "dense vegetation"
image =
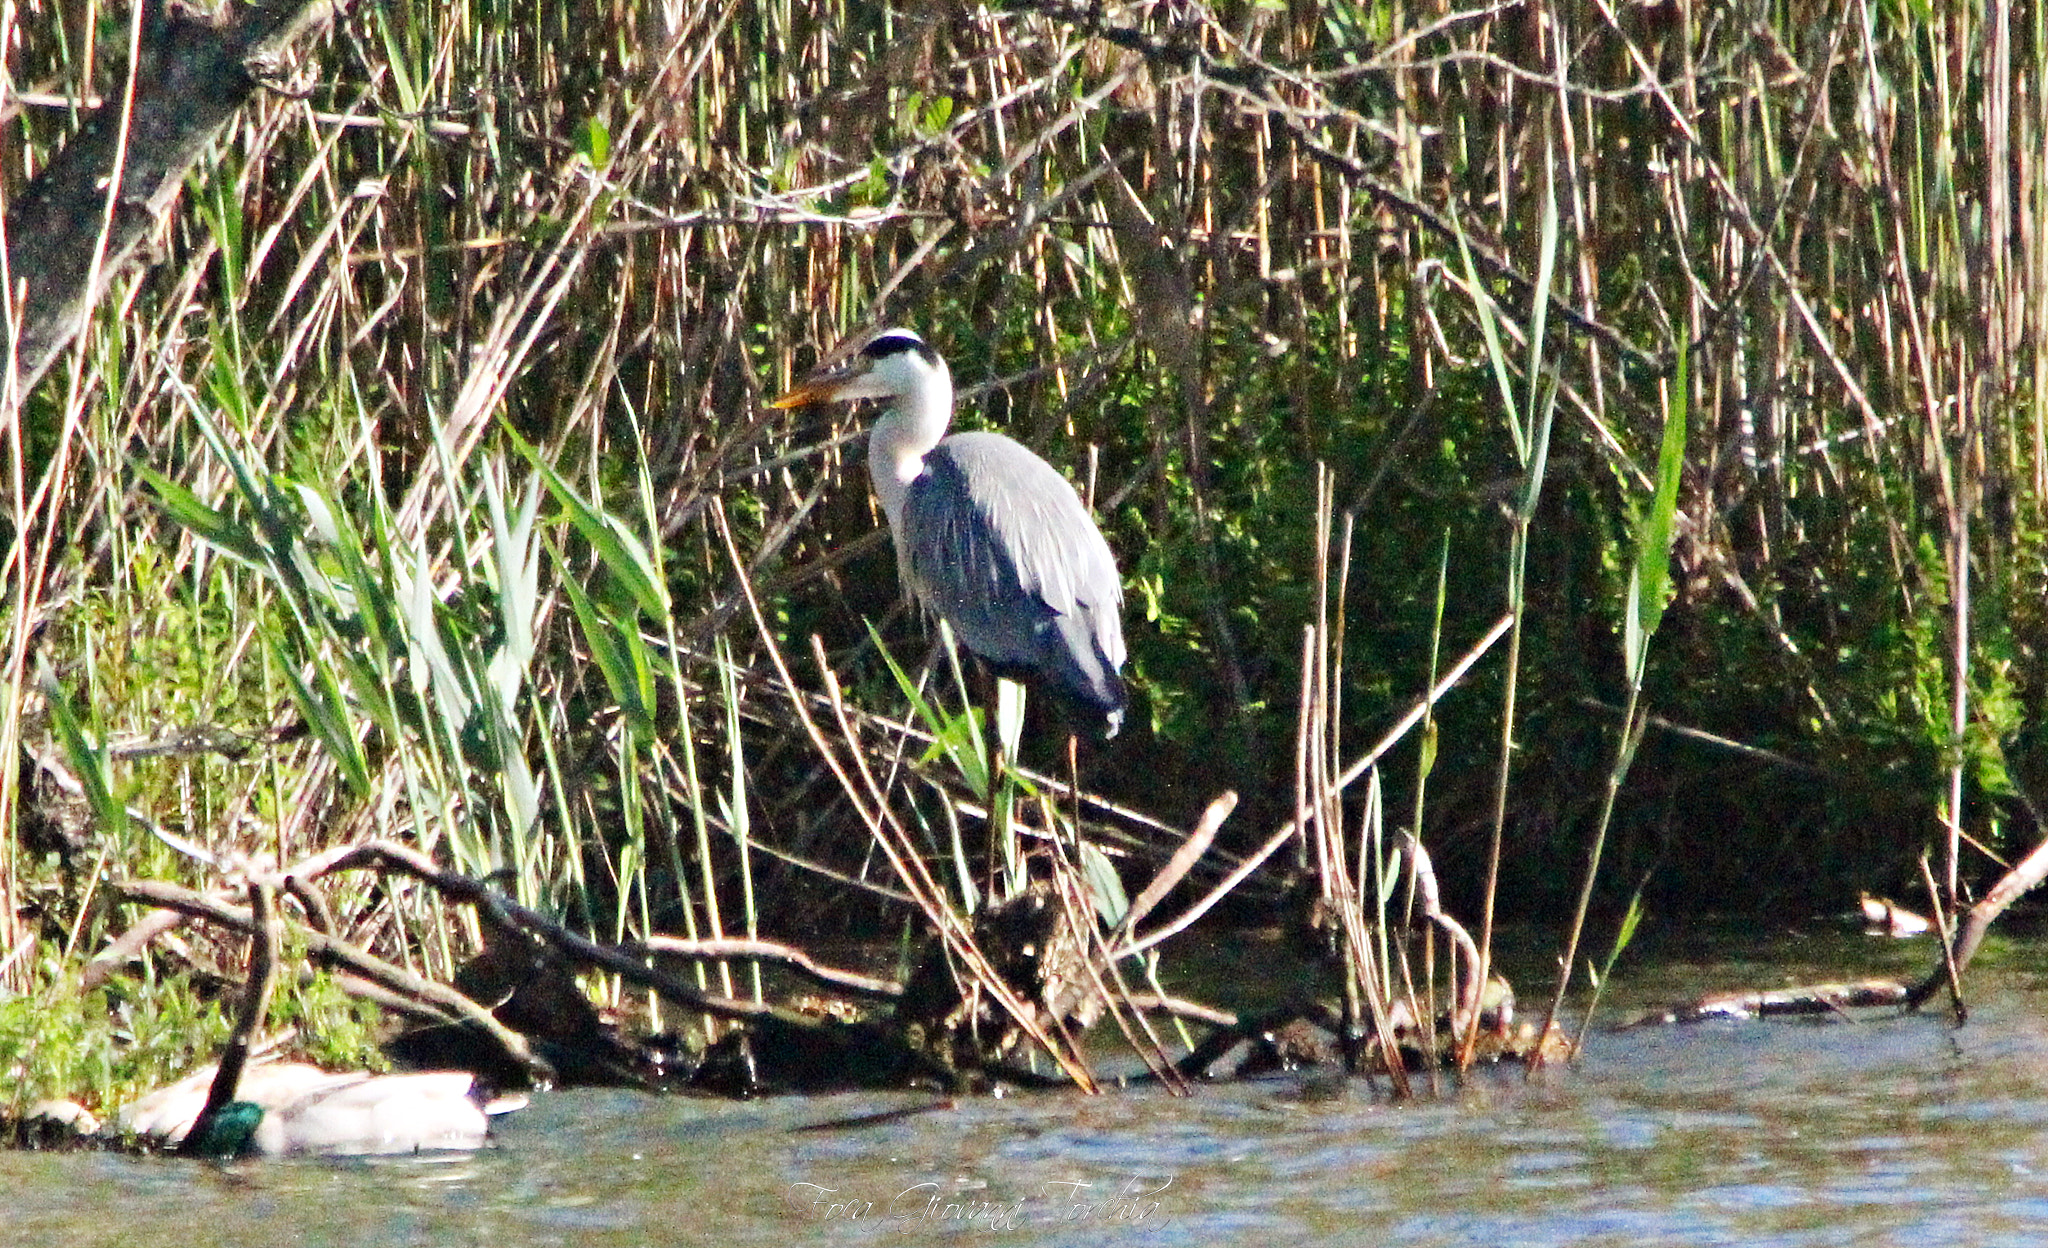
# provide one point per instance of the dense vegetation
(419, 486)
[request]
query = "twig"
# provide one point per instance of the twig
(1978, 919)
(334, 951)
(1183, 861)
(227, 1077)
(772, 951)
(1959, 1010)
(1358, 768)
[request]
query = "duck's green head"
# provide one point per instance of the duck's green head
(232, 1131)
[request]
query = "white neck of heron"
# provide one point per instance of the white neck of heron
(904, 435)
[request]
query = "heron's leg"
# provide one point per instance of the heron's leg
(1074, 788)
(1009, 729)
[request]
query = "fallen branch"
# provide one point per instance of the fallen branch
(333, 951)
(779, 1045)
(778, 954)
(1977, 921)
(1807, 999)
(109, 961)
(501, 911)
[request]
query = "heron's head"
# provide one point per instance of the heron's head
(889, 365)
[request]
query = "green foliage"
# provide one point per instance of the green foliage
(370, 639)
(1650, 568)
(588, 253)
(112, 1045)
(102, 1048)
(1624, 935)
(89, 760)
(335, 1031)
(990, 777)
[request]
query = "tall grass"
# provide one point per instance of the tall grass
(1218, 242)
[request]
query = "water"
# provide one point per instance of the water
(1886, 1130)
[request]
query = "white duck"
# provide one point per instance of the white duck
(308, 1111)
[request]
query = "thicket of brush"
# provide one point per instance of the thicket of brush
(418, 488)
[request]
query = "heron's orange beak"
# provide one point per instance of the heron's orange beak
(822, 386)
(808, 391)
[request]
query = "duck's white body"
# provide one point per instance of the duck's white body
(307, 1110)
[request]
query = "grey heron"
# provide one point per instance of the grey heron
(989, 536)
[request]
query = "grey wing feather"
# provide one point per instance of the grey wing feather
(999, 545)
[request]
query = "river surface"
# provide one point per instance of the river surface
(1883, 1129)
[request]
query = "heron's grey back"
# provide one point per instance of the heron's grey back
(1000, 546)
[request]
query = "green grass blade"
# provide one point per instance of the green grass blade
(90, 761)
(1650, 574)
(621, 551)
(209, 524)
(620, 656)
(326, 712)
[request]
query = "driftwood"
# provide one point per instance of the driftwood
(1957, 946)
(520, 992)
(1977, 921)
(502, 912)
(1808, 999)
(781, 1047)
(335, 952)
(84, 217)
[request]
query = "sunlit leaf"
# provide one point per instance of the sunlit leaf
(1105, 886)
(617, 547)
(1650, 570)
(89, 760)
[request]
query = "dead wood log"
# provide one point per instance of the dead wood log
(780, 1048)
(84, 217)
(335, 952)
(1042, 951)
(1977, 921)
(501, 911)
(1805, 999)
